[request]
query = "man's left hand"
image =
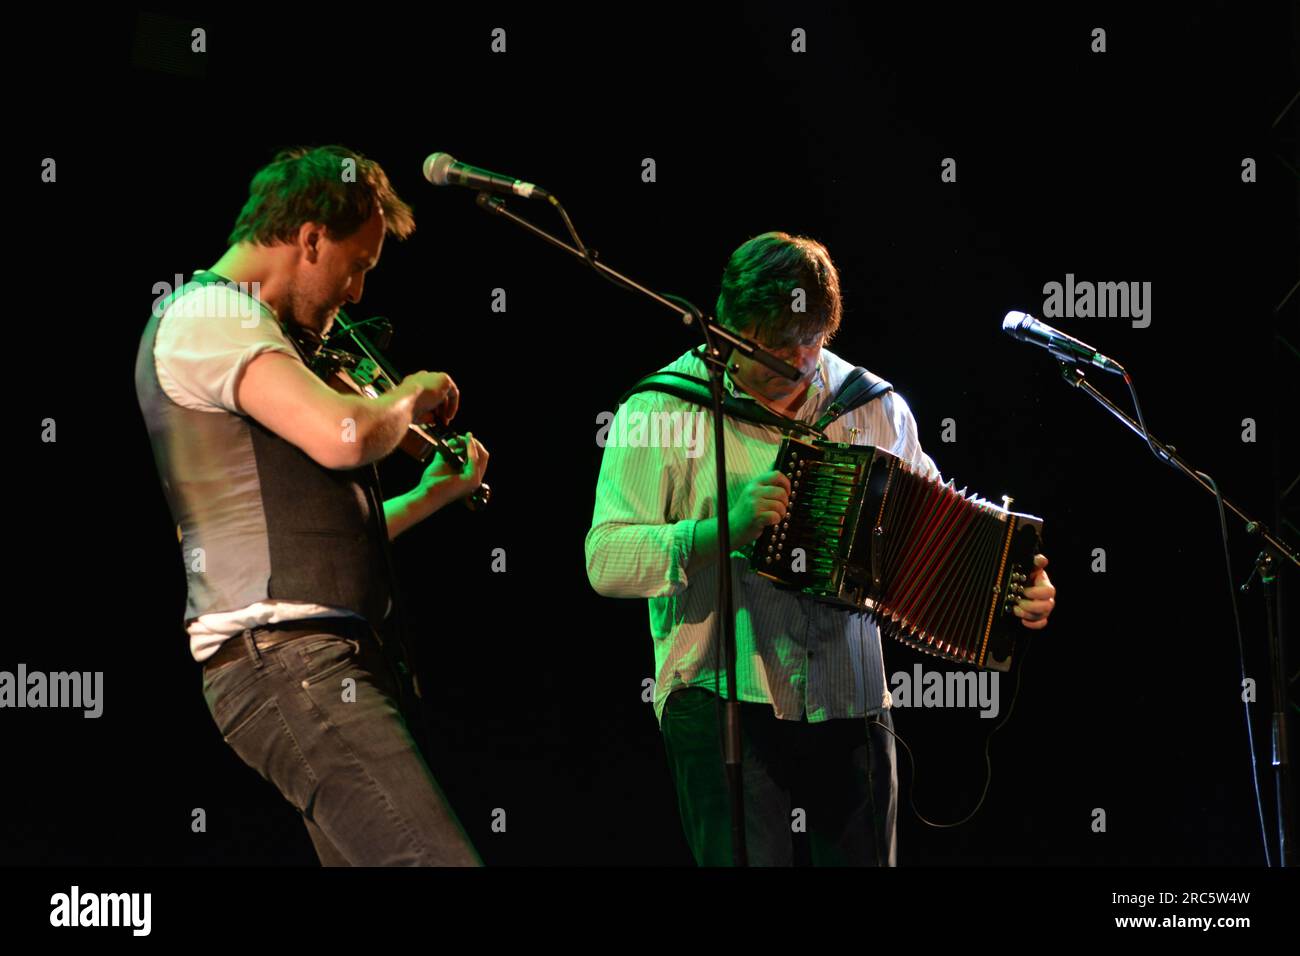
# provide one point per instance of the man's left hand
(450, 481)
(1039, 598)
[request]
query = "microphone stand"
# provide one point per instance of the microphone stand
(1274, 549)
(720, 343)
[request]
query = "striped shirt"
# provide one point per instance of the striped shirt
(658, 480)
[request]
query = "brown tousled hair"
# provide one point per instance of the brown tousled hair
(758, 283)
(307, 185)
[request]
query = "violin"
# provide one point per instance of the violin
(368, 374)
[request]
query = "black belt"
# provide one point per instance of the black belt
(266, 636)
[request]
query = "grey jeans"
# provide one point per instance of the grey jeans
(318, 717)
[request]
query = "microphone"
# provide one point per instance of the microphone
(442, 170)
(1026, 328)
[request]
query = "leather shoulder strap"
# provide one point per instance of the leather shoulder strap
(859, 388)
(696, 390)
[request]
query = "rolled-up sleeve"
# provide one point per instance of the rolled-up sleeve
(636, 548)
(909, 441)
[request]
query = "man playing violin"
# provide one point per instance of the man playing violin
(269, 474)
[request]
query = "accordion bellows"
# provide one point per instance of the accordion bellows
(937, 568)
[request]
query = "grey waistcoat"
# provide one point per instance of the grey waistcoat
(258, 518)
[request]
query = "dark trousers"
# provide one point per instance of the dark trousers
(841, 773)
(318, 717)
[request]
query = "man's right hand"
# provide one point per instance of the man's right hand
(436, 396)
(762, 502)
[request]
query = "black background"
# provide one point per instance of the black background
(1122, 166)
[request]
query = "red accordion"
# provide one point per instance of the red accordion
(938, 569)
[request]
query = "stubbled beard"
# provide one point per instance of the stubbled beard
(315, 319)
(784, 387)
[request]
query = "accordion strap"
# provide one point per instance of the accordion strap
(696, 390)
(859, 388)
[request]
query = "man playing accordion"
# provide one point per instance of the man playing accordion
(815, 703)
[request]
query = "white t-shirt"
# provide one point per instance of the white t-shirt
(206, 338)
